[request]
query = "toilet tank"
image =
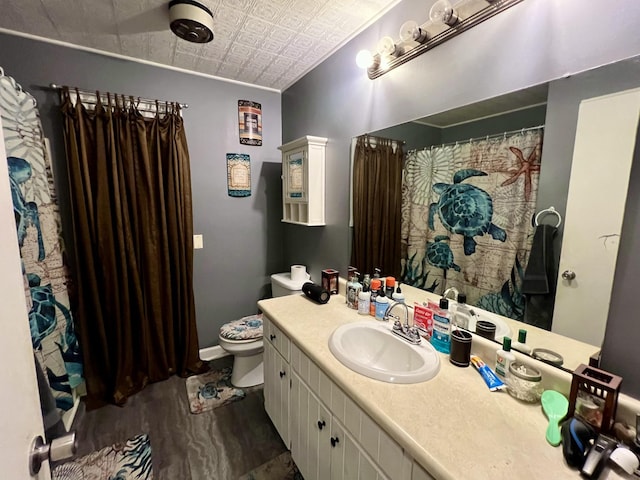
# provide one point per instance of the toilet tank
(281, 284)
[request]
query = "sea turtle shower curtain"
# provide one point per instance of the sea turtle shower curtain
(38, 226)
(466, 218)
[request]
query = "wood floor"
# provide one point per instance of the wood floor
(222, 444)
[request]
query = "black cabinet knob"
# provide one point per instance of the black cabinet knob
(272, 337)
(282, 373)
(334, 441)
(321, 424)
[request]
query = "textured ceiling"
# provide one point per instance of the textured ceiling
(271, 43)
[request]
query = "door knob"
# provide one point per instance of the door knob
(59, 449)
(568, 275)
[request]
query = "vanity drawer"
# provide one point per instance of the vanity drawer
(278, 339)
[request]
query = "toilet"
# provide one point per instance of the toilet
(243, 338)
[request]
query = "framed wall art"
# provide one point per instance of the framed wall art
(250, 122)
(238, 175)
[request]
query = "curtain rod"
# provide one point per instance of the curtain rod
(383, 138)
(486, 137)
(93, 94)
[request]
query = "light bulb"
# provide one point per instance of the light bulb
(387, 47)
(443, 12)
(410, 30)
(364, 59)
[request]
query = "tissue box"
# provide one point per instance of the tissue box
(330, 280)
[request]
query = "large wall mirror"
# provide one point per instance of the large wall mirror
(581, 306)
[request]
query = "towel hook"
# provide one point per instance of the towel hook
(551, 211)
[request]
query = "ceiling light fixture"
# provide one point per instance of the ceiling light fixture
(191, 21)
(445, 22)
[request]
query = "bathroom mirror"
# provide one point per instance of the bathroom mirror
(554, 105)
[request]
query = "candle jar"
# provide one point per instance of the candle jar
(524, 382)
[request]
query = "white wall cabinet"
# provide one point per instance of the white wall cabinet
(330, 437)
(303, 178)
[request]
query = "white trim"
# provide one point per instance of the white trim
(497, 114)
(133, 59)
(212, 353)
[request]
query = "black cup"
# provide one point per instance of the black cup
(460, 348)
(486, 329)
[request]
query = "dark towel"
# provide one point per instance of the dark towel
(539, 284)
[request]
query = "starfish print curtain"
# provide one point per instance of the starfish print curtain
(130, 192)
(467, 214)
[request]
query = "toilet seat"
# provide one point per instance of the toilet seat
(243, 330)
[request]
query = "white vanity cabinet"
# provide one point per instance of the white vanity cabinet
(277, 378)
(303, 177)
(329, 435)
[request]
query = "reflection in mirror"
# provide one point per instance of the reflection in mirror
(470, 202)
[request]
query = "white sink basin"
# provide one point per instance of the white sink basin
(369, 348)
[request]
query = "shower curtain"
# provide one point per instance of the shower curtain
(38, 227)
(467, 214)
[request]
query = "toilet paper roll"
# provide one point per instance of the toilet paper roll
(299, 273)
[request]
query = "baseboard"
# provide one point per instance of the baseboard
(211, 353)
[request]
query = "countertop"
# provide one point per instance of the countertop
(452, 425)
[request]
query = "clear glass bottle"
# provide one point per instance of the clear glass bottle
(462, 315)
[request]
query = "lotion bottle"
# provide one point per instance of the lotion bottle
(504, 358)
(521, 344)
(382, 303)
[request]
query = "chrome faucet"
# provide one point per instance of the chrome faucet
(404, 331)
(449, 290)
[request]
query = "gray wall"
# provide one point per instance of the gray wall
(524, 46)
(242, 236)
(415, 135)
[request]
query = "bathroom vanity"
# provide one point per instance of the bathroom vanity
(339, 424)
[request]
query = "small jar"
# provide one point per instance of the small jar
(524, 382)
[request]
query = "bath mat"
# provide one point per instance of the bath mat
(130, 460)
(212, 390)
(280, 468)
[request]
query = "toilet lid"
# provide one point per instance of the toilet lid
(246, 328)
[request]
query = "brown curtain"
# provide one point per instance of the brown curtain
(377, 199)
(130, 195)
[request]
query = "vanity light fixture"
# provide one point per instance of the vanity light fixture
(445, 21)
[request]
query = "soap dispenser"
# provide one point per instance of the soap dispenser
(398, 296)
(353, 291)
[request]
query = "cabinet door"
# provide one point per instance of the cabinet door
(310, 432)
(276, 390)
(348, 460)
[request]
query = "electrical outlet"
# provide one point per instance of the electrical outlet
(197, 241)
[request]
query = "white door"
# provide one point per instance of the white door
(20, 416)
(602, 158)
